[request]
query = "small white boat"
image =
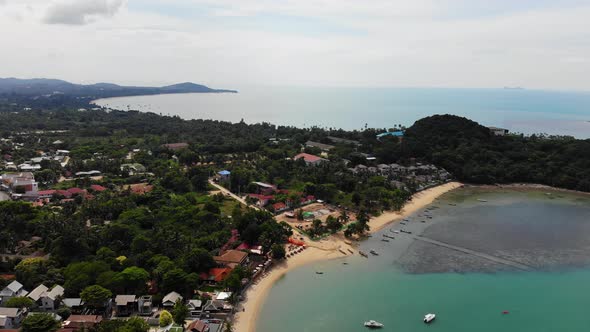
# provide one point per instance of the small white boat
(373, 252)
(373, 324)
(482, 200)
(429, 318)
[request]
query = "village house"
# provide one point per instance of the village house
(198, 326)
(75, 304)
(125, 305)
(498, 131)
(14, 289)
(195, 307)
(310, 159)
(170, 299)
(145, 305)
(232, 258)
(264, 188)
(10, 318)
(81, 322)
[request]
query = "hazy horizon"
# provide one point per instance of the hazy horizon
(315, 43)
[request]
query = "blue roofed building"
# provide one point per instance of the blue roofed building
(223, 175)
(397, 133)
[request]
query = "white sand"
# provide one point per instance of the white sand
(323, 250)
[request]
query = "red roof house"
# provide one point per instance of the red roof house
(97, 187)
(216, 274)
(309, 159)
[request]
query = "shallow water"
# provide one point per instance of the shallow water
(411, 278)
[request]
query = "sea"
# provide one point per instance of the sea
(519, 110)
(480, 259)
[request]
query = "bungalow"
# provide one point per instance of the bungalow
(213, 306)
(125, 305)
(36, 293)
(261, 200)
(279, 207)
(75, 304)
(49, 300)
(84, 322)
(170, 299)
(14, 289)
(195, 307)
(310, 159)
(10, 318)
(232, 258)
(198, 326)
(216, 275)
(251, 249)
(223, 296)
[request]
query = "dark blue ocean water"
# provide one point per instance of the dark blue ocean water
(526, 111)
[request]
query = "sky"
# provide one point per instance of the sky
(541, 44)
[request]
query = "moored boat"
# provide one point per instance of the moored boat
(373, 252)
(373, 324)
(428, 318)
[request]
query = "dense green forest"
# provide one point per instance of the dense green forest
(472, 154)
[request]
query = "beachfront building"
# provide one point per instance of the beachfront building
(310, 159)
(232, 258)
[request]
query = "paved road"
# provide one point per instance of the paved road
(495, 259)
(232, 195)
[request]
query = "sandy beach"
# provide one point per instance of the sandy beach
(330, 248)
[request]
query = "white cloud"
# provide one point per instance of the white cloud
(224, 43)
(79, 12)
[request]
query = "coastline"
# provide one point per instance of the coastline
(248, 311)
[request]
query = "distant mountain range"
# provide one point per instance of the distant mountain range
(40, 87)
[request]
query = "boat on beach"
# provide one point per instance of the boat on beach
(428, 318)
(363, 254)
(373, 324)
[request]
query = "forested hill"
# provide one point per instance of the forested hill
(52, 92)
(473, 154)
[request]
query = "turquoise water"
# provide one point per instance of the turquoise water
(394, 289)
(526, 111)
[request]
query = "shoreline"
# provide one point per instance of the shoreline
(328, 249)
